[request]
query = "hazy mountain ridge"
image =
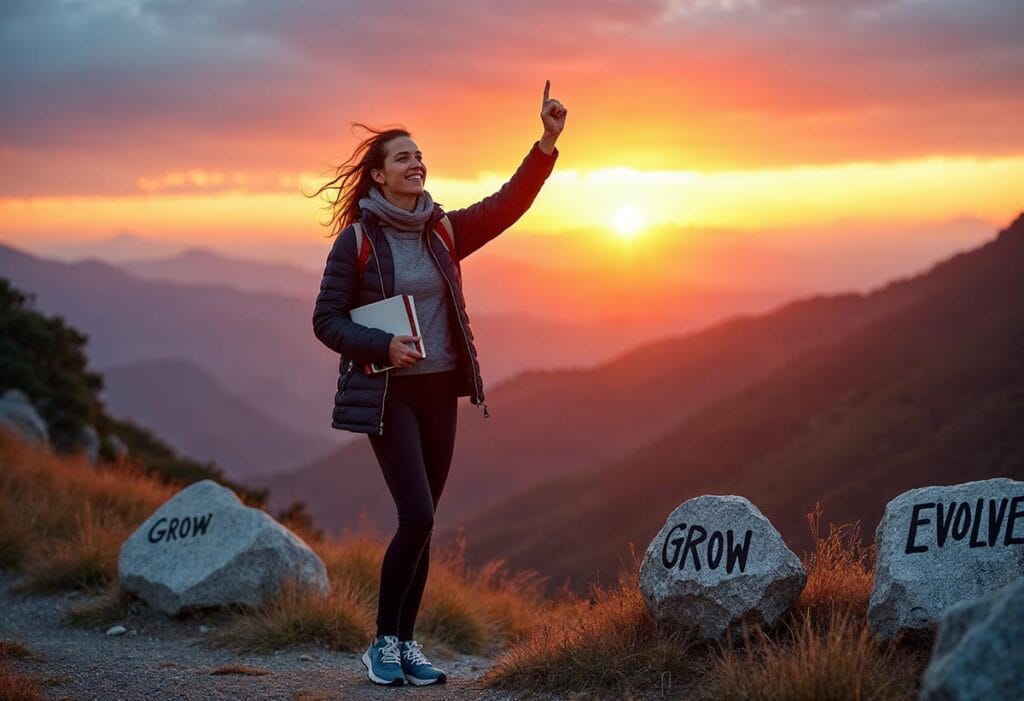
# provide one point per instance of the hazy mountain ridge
(202, 418)
(239, 337)
(552, 422)
(203, 266)
(260, 344)
(931, 393)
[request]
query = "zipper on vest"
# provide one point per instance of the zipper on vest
(387, 373)
(465, 335)
(348, 376)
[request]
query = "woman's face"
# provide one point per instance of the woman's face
(404, 171)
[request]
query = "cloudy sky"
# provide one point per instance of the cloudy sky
(205, 121)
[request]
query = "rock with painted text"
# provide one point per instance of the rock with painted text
(205, 548)
(943, 545)
(716, 564)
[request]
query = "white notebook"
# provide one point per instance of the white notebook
(395, 315)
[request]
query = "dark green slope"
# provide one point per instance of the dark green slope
(932, 393)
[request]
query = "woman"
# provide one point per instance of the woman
(409, 412)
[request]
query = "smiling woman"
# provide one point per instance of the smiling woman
(393, 239)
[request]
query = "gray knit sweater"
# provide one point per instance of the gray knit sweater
(417, 274)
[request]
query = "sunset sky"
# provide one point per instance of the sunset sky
(709, 128)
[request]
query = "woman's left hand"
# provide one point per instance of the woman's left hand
(552, 114)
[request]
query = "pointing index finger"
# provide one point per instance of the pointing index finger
(547, 88)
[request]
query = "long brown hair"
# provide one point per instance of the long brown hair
(352, 178)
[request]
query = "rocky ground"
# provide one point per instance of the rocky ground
(161, 658)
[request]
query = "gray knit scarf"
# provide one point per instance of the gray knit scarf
(396, 216)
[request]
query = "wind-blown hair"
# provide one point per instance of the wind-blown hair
(352, 179)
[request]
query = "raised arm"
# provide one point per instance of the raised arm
(479, 223)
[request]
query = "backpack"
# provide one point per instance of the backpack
(442, 229)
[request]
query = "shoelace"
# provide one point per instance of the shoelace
(413, 654)
(390, 653)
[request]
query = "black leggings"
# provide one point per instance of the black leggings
(414, 453)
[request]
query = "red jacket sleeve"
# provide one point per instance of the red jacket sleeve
(479, 223)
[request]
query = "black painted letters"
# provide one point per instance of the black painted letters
(953, 521)
(676, 550)
(179, 528)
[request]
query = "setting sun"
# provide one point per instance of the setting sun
(629, 221)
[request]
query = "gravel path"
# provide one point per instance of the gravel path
(160, 658)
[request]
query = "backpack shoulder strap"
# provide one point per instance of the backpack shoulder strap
(444, 231)
(362, 246)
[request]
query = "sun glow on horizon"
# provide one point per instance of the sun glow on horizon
(629, 221)
(624, 203)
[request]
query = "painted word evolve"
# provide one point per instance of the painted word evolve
(179, 528)
(956, 519)
(718, 545)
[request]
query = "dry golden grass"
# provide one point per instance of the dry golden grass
(353, 561)
(836, 658)
(476, 611)
(17, 687)
(839, 570)
(68, 520)
(606, 645)
(339, 620)
(462, 610)
(109, 608)
(65, 521)
(823, 649)
(611, 647)
(17, 650)
(12, 684)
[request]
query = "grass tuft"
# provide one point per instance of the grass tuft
(85, 561)
(298, 616)
(838, 660)
(607, 645)
(476, 611)
(110, 608)
(353, 562)
(17, 650)
(16, 686)
(840, 570)
(67, 517)
(450, 615)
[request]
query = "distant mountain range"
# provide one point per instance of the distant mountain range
(204, 267)
(927, 387)
(259, 345)
(553, 423)
(115, 249)
(260, 348)
(204, 420)
(598, 428)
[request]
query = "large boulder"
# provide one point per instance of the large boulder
(939, 546)
(205, 548)
(979, 651)
(17, 412)
(717, 563)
